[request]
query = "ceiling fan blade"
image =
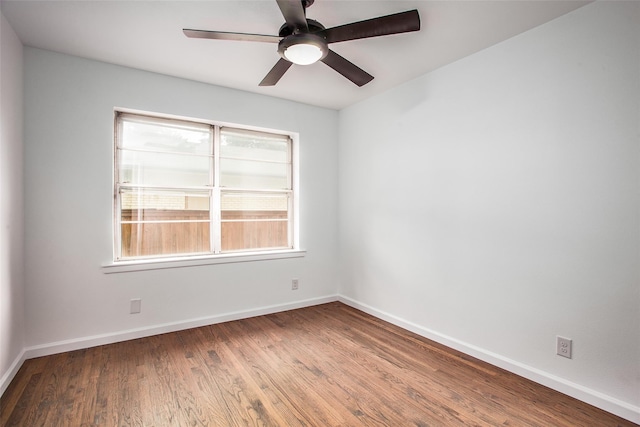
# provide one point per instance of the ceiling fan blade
(402, 22)
(354, 73)
(276, 73)
(294, 14)
(221, 35)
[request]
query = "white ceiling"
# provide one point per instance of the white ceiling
(148, 35)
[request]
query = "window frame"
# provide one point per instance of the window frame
(216, 254)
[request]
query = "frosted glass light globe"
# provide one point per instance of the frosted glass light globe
(303, 54)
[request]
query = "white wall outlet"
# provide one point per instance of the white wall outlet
(294, 284)
(136, 305)
(563, 347)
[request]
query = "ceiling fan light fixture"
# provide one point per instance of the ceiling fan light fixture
(303, 49)
(305, 41)
(303, 54)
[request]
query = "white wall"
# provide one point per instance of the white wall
(11, 205)
(493, 204)
(69, 105)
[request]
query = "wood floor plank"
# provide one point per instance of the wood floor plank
(328, 365)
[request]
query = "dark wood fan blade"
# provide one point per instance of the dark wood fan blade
(293, 13)
(220, 35)
(354, 73)
(276, 73)
(402, 22)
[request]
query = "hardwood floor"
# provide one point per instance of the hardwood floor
(328, 365)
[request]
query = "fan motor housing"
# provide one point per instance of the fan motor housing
(314, 27)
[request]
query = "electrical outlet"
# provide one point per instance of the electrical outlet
(563, 347)
(294, 284)
(136, 305)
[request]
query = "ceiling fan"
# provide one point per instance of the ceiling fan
(304, 41)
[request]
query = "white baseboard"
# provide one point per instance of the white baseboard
(11, 372)
(110, 338)
(592, 397)
(92, 341)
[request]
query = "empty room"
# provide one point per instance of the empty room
(320, 213)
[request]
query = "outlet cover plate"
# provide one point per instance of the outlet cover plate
(563, 347)
(136, 305)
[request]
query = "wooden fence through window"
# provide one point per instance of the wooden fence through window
(240, 230)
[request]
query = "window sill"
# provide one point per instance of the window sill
(157, 264)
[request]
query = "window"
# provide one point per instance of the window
(184, 188)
